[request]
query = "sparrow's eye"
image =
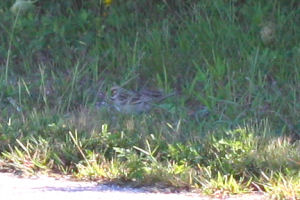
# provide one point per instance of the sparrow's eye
(113, 91)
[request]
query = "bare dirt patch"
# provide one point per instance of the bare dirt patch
(43, 188)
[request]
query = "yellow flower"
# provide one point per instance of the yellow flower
(107, 2)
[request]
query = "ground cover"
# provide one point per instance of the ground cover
(232, 127)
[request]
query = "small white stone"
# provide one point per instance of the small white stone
(21, 7)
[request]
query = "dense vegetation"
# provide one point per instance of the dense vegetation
(232, 127)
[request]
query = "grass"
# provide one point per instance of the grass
(232, 128)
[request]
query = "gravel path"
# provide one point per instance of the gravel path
(44, 188)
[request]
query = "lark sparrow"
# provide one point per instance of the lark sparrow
(127, 101)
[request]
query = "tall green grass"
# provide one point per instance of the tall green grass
(233, 125)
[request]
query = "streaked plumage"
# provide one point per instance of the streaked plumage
(127, 101)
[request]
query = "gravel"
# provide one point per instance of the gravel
(44, 188)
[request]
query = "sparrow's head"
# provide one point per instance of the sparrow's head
(119, 94)
(115, 90)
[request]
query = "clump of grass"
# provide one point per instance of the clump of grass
(222, 185)
(28, 158)
(277, 154)
(224, 164)
(279, 186)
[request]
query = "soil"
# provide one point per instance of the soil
(13, 187)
